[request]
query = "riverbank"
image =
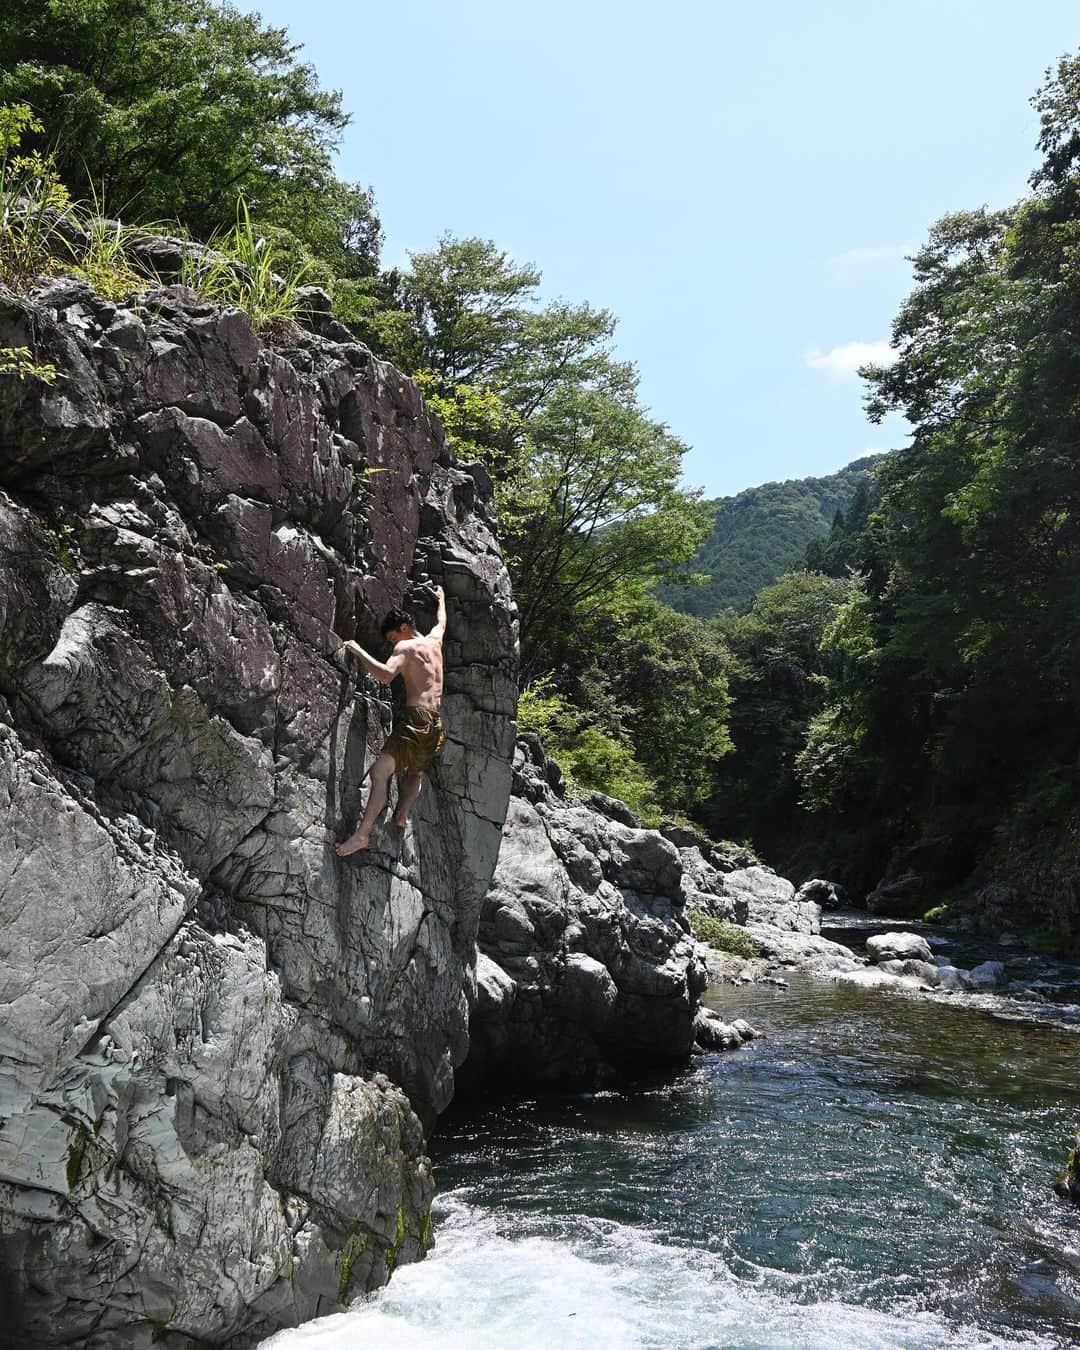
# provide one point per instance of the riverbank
(1004, 979)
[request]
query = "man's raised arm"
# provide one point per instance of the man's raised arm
(384, 672)
(439, 631)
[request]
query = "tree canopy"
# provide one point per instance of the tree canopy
(175, 108)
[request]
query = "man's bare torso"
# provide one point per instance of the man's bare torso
(422, 671)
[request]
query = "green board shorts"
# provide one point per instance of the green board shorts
(416, 739)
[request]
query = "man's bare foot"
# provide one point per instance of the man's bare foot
(401, 818)
(353, 844)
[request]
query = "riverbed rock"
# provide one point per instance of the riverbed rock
(924, 971)
(220, 1041)
(898, 947)
(587, 966)
(754, 896)
(711, 1032)
(988, 975)
(1067, 1184)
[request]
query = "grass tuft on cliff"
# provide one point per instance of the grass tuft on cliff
(724, 937)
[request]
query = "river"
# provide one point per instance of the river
(874, 1173)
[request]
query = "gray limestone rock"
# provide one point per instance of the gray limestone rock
(827, 894)
(586, 963)
(988, 975)
(711, 1032)
(771, 901)
(219, 1040)
(898, 947)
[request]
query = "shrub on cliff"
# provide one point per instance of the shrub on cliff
(178, 107)
(590, 759)
(724, 937)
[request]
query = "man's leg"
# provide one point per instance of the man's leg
(410, 790)
(381, 772)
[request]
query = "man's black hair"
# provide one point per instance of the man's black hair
(397, 618)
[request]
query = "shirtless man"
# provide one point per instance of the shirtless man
(418, 733)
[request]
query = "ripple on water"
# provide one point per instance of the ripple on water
(874, 1174)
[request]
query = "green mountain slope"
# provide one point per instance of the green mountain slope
(761, 532)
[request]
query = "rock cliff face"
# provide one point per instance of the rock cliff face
(219, 1042)
(586, 964)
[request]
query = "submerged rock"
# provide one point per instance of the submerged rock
(219, 1039)
(1067, 1184)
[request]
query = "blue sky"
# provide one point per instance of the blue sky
(737, 183)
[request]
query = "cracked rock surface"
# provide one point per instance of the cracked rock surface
(220, 1043)
(587, 967)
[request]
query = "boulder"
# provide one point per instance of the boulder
(898, 947)
(711, 1032)
(598, 973)
(755, 896)
(988, 975)
(925, 971)
(827, 894)
(1067, 1184)
(916, 875)
(905, 896)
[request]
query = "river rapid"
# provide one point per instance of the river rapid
(874, 1173)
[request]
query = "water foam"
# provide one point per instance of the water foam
(495, 1281)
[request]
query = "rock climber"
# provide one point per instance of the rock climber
(417, 735)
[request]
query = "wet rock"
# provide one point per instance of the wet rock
(988, 975)
(711, 1032)
(1067, 1184)
(925, 971)
(951, 978)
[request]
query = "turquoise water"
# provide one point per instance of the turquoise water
(875, 1173)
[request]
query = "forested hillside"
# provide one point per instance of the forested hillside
(760, 533)
(926, 711)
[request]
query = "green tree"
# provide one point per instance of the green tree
(608, 515)
(178, 107)
(779, 667)
(660, 679)
(587, 483)
(959, 666)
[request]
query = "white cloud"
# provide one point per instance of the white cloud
(862, 257)
(845, 360)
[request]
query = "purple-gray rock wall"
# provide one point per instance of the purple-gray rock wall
(219, 1042)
